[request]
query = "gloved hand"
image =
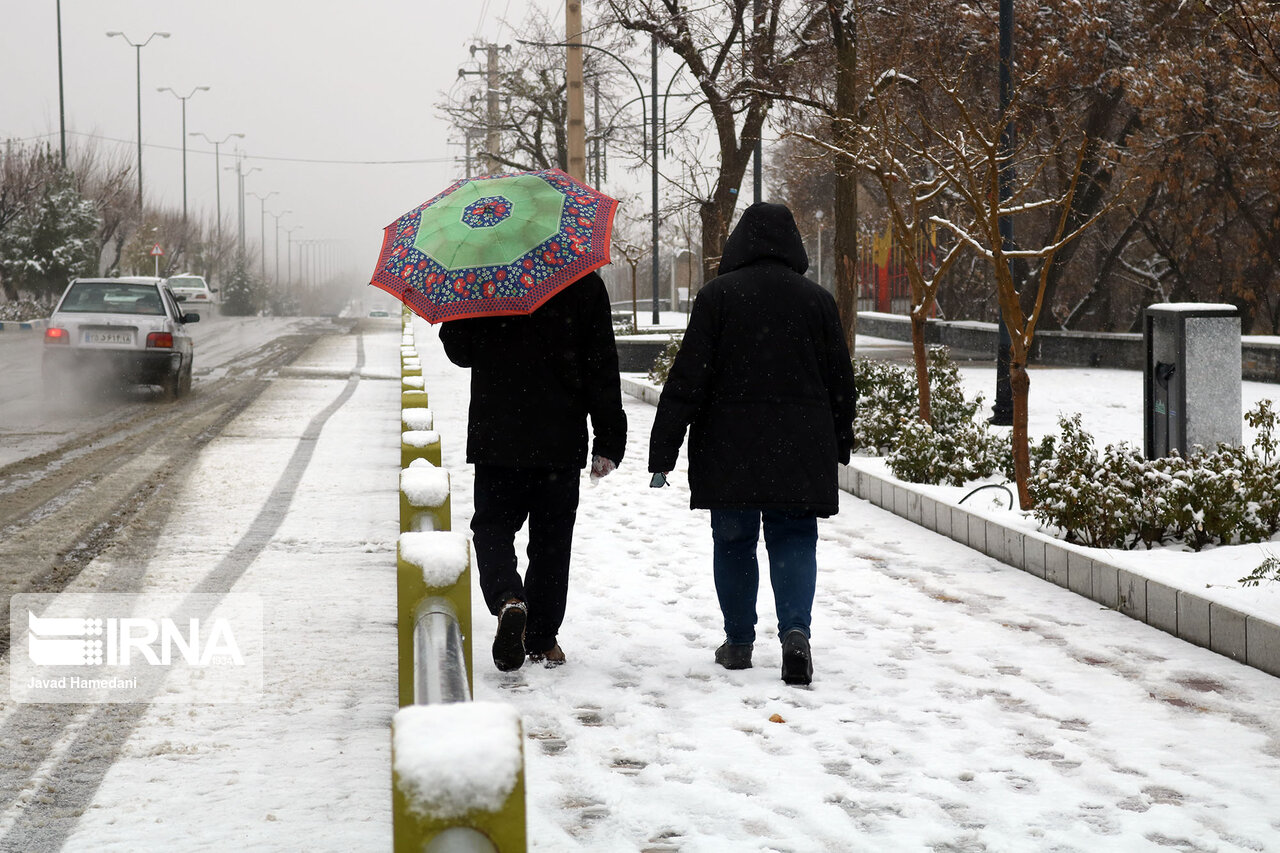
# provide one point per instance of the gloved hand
(601, 467)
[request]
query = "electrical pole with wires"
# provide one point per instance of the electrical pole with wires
(577, 124)
(492, 73)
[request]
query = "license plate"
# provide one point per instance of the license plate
(108, 337)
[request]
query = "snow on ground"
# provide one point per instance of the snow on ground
(958, 704)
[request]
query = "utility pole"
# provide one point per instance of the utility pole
(493, 137)
(62, 104)
(577, 129)
(595, 145)
(494, 142)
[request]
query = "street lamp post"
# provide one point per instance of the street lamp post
(817, 214)
(1002, 410)
(62, 104)
(217, 171)
(288, 255)
(262, 226)
(137, 47)
(184, 99)
(276, 217)
(240, 176)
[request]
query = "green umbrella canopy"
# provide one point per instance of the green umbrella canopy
(533, 216)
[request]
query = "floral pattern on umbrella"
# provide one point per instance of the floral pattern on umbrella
(495, 245)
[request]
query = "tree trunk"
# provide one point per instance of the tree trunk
(922, 366)
(1020, 384)
(845, 215)
(715, 216)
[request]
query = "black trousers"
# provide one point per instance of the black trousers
(504, 497)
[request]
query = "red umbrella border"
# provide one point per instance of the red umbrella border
(438, 296)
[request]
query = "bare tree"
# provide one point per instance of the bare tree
(109, 181)
(969, 161)
(735, 57)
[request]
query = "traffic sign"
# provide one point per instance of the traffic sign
(157, 250)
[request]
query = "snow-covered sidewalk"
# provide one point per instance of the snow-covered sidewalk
(958, 704)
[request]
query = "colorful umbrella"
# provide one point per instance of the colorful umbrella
(495, 245)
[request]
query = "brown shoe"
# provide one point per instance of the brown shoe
(552, 657)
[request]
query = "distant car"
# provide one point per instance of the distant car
(378, 312)
(126, 330)
(191, 290)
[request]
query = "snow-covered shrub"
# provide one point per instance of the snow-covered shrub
(25, 309)
(955, 449)
(1120, 500)
(886, 403)
(1065, 488)
(623, 323)
(662, 364)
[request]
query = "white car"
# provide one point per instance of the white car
(191, 290)
(126, 330)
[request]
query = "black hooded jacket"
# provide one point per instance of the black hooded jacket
(763, 380)
(536, 378)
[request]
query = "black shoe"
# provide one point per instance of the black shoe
(797, 661)
(508, 642)
(734, 655)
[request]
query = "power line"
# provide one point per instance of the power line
(311, 160)
(484, 12)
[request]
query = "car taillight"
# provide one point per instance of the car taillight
(56, 336)
(160, 339)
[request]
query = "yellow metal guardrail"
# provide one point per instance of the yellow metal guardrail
(457, 766)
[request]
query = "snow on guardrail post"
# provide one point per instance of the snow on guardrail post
(424, 498)
(418, 440)
(457, 767)
(458, 778)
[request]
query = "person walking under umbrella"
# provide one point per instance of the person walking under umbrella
(535, 381)
(763, 383)
(507, 264)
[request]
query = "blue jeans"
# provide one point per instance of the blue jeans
(792, 543)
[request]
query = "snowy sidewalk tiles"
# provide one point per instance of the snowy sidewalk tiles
(1247, 638)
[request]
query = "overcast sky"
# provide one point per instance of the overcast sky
(304, 81)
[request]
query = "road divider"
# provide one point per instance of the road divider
(457, 766)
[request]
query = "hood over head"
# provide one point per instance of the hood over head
(766, 232)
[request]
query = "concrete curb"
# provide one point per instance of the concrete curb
(23, 325)
(1242, 637)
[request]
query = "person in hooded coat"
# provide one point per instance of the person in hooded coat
(535, 380)
(763, 382)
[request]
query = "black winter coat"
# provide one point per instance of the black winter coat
(536, 378)
(763, 380)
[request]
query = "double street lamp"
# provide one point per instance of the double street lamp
(138, 46)
(262, 225)
(184, 98)
(288, 255)
(276, 217)
(217, 170)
